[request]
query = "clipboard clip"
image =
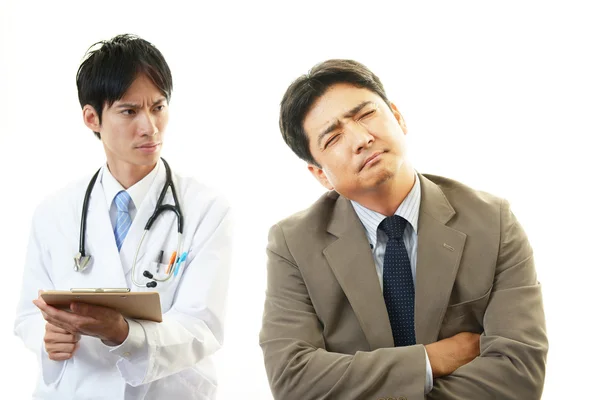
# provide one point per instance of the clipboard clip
(100, 290)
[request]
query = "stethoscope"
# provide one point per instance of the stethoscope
(82, 260)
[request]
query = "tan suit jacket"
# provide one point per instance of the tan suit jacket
(326, 332)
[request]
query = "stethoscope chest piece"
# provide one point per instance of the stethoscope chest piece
(81, 262)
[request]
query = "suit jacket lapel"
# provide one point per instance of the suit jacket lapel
(351, 260)
(439, 251)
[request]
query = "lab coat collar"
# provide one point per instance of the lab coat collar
(105, 269)
(137, 192)
(100, 234)
(132, 240)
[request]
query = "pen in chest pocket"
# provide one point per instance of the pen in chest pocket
(175, 263)
(171, 262)
(159, 260)
(180, 261)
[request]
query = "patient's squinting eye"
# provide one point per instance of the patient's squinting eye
(332, 140)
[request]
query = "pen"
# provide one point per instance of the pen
(159, 260)
(171, 261)
(181, 260)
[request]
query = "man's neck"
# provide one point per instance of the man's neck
(387, 197)
(127, 174)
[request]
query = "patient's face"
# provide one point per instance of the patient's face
(356, 138)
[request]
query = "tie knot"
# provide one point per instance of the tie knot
(122, 200)
(393, 226)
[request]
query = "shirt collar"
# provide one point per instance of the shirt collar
(408, 209)
(137, 192)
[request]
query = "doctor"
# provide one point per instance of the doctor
(94, 352)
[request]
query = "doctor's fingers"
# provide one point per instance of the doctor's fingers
(61, 354)
(54, 328)
(61, 347)
(55, 334)
(40, 299)
(70, 322)
(58, 339)
(58, 323)
(97, 312)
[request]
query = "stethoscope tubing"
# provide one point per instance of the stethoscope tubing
(160, 208)
(86, 199)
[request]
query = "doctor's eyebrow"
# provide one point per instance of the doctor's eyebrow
(136, 106)
(335, 125)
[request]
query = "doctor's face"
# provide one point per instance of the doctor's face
(358, 141)
(133, 127)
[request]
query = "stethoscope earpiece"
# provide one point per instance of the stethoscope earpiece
(151, 284)
(148, 275)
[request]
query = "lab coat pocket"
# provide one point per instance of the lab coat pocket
(165, 289)
(159, 269)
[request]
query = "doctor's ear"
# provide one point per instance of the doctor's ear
(91, 118)
(399, 117)
(320, 175)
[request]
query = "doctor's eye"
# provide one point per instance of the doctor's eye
(160, 107)
(128, 111)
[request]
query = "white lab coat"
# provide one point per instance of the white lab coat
(168, 360)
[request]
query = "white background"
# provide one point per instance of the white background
(503, 97)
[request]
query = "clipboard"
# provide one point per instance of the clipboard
(137, 305)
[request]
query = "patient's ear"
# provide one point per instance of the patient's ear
(320, 175)
(399, 118)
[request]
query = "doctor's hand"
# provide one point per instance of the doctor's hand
(86, 319)
(59, 343)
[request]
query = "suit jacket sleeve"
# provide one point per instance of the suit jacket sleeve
(297, 362)
(514, 343)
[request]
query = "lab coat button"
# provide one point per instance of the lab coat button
(126, 354)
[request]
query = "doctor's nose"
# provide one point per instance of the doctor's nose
(147, 124)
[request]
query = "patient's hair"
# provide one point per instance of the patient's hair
(304, 91)
(107, 72)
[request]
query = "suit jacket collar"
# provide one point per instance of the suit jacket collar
(434, 202)
(438, 255)
(408, 209)
(352, 263)
(439, 251)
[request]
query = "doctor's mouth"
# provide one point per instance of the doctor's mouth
(150, 148)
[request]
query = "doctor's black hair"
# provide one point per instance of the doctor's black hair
(108, 71)
(304, 92)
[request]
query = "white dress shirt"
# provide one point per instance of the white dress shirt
(409, 210)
